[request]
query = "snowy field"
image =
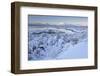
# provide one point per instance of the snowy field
(48, 42)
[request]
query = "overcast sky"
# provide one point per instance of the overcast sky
(58, 19)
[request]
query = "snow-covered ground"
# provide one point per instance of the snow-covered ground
(77, 51)
(67, 42)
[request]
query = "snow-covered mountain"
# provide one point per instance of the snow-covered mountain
(47, 41)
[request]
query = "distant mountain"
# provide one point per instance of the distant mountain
(61, 25)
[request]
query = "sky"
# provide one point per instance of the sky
(58, 19)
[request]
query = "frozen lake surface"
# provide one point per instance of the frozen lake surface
(52, 42)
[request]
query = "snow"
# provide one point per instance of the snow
(73, 52)
(47, 43)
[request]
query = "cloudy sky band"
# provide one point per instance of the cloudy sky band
(32, 19)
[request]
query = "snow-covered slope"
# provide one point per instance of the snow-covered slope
(57, 43)
(76, 51)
